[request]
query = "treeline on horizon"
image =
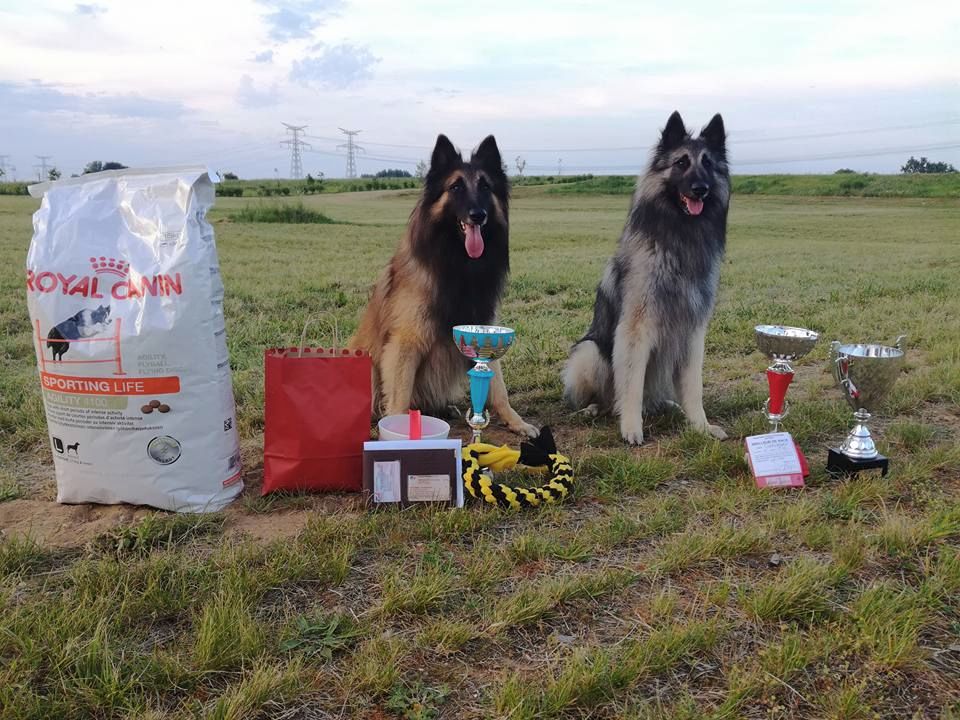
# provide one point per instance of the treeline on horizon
(846, 183)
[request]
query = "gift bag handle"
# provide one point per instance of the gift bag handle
(336, 332)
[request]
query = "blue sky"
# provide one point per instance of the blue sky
(802, 87)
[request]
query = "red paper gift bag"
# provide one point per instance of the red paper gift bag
(316, 419)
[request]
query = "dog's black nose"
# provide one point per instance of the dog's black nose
(700, 190)
(478, 217)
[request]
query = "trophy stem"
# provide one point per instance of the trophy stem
(480, 376)
(858, 444)
(779, 377)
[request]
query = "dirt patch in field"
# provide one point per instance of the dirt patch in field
(261, 519)
(55, 525)
(67, 526)
(37, 514)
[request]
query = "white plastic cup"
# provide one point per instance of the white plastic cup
(397, 427)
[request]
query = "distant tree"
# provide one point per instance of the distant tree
(314, 184)
(845, 171)
(2, 172)
(925, 166)
(230, 176)
(504, 167)
(53, 174)
(392, 173)
(421, 171)
(521, 164)
(98, 166)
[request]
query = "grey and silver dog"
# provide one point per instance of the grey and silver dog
(644, 348)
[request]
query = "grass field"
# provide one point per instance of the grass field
(668, 587)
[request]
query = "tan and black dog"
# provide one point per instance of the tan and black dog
(449, 269)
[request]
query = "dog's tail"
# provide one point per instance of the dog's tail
(586, 377)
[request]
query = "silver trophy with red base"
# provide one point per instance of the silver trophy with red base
(783, 344)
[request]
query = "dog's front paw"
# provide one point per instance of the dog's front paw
(592, 410)
(712, 430)
(524, 428)
(632, 432)
(717, 432)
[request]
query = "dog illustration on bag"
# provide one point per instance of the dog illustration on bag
(84, 324)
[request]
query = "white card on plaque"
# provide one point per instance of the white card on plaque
(774, 460)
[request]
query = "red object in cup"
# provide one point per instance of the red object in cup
(416, 431)
(778, 383)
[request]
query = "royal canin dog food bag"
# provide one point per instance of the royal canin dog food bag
(126, 304)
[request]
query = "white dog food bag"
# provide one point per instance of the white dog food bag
(126, 303)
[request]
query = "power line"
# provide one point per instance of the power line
(380, 158)
(352, 149)
(841, 133)
(378, 144)
(878, 152)
(734, 139)
(296, 161)
(842, 156)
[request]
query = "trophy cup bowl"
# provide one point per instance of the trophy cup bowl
(785, 343)
(865, 372)
(782, 343)
(481, 344)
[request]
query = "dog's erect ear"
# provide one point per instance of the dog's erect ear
(715, 135)
(674, 133)
(445, 156)
(487, 156)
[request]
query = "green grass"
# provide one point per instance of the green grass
(280, 213)
(668, 586)
(158, 531)
(9, 490)
(802, 593)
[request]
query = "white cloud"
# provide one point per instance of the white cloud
(337, 66)
(296, 19)
(91, 10)
(249, 96)
(559, 74)
(43, 98)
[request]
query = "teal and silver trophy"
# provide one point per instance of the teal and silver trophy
(481, 343)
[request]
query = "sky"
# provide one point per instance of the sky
(573, 87)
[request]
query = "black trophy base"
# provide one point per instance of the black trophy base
(840, 464)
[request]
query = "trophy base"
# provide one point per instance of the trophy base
(839, 464)
(804, 466)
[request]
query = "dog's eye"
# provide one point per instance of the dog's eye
(483, 185)
(707, 162)
(457, 186)
(683, 162)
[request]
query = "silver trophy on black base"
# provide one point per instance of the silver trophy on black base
(866, 373)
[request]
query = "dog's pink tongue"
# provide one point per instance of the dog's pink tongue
(474, 241)
(694, 205)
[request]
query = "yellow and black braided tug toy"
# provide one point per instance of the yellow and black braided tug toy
(480, 459)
